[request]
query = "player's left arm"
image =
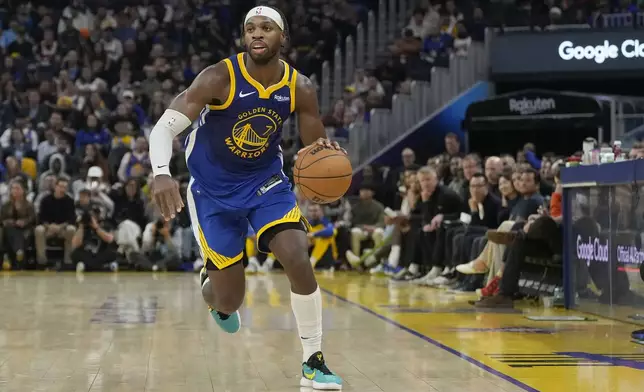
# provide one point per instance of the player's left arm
(308, 115)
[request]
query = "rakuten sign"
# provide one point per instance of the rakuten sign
(630, 48)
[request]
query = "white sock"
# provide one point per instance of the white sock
(253, 260)
(308, 315)
(394, 256)
(413, 268)
(269, 262)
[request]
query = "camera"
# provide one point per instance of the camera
(86, 218)
(87, 214)
(158, 225)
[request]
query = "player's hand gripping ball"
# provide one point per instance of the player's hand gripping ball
(322, 172)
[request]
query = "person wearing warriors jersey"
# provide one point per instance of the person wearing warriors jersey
(235, 163)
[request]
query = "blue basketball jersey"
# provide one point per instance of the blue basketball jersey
(236, 148)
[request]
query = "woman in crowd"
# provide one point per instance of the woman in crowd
(490, 260)
(18, 219)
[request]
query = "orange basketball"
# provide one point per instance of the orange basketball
(322, 174)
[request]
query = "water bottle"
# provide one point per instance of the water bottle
(559, 297)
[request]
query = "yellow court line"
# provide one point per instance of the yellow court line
(578, 356)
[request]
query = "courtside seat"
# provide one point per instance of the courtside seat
(541, 276)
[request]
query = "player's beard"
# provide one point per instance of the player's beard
(264, 58)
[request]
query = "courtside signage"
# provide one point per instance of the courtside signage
(629, 49)
(567, 52)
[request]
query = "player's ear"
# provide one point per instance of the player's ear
(283, 39)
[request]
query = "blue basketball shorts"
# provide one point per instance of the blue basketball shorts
(221, 230)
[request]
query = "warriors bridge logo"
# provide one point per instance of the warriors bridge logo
(252, 133)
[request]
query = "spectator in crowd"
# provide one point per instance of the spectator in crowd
(92, 156)
(13, 171)
(526, 205)
(484, 209)
(462, 41)
(438, 203)
(395, 177)
(420, 25)
(129, 215)
(56, 169)
(367, 219)
(339, 213)
(540, 237)
(18, 219)
(321, 237)
(97, 189)
(83, 202)
(47, 147)
(509, 195)
(93, 242)
(483, 203)
(56, 218)
(493, 171)
(18, 146)
(63, 149)
(135, 163)
(37, 111)
(397, 227)
(531, 199)
(93, 133)
(21, 136)
(158, 247)
(49, 186)
(452, 145)
(455, 180)
(471, 164)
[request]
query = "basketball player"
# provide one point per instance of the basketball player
(235, 161)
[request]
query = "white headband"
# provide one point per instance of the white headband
(267, 12)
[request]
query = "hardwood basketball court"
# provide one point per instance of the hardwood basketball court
(136, 332)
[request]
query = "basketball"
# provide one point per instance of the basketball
(322, 174)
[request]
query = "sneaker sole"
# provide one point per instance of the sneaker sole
(305, 382)
(238, 326)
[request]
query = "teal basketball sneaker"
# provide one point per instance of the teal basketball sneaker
(316, 375)
(230, 323)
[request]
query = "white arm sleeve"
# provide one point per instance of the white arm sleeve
(171, 124)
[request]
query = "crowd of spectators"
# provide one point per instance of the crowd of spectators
(448, 222)
(81, 85)
(436, 30)
(546, 15)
